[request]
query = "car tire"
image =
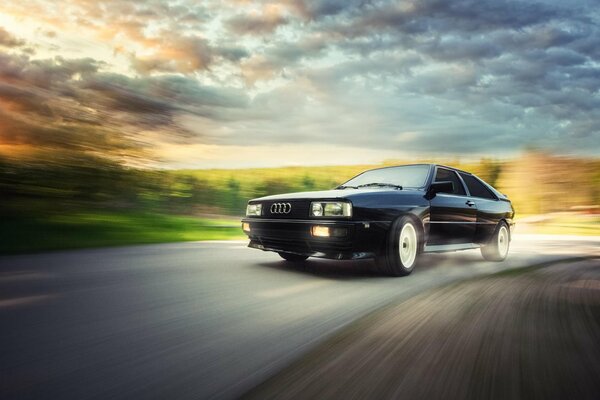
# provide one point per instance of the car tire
(293, 257)
(399, 256)
(497, 248)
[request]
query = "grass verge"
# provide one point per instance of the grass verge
(98, 229)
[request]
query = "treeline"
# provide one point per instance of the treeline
(40, 188)
(536, 182)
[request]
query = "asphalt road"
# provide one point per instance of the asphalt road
(196, 320)
(529, 333)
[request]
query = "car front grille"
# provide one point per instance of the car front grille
(298, 209)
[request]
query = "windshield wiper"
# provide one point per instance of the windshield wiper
(346, 187)
(381, 185)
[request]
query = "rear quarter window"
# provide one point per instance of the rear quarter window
(476, 188)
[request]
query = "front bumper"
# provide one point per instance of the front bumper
(294, 236)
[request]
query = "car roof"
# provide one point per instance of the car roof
(434, 165)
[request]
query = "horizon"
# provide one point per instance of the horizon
(449, 160)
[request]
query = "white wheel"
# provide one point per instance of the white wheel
(497, 248)
(503, 240)
(399, 256)
(407, 246)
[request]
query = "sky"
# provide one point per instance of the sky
(240, 83)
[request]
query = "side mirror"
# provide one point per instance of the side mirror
(441, 187)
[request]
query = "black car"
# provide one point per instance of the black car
(391, 214)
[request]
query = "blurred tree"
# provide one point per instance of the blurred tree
(490, 170)
(234, 202)
(536, 182)
(308, 183)
(274, 186)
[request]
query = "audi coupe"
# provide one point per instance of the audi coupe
(390, 214)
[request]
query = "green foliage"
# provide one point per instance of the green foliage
(94, 229)
(536, 182)
(308, 183)
(274, 186)
(87, 202)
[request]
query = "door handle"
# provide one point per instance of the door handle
(470, 203)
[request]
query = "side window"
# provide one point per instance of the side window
(447, 175)
(477, 188)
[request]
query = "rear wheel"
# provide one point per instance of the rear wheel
(293, 257)
(497, 248)
(401, 250)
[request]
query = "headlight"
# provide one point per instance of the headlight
(253, 210)
(330, 209)
(316, 209)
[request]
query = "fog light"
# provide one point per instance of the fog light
(320, 231)
(246, 227)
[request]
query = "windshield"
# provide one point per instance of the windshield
(412, 176)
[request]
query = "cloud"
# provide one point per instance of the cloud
(264, 22)
(74, 105)
(318, 9)
(183, 54)
(8, 40)
(278, 58)
(174, 53)
(24, 101)
(478, 76)
(439, 16)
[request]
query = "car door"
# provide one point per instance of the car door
(453, 216)
(489, 209)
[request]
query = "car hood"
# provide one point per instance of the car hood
(336, 194)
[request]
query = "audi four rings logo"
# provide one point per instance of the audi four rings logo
(281, 208)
